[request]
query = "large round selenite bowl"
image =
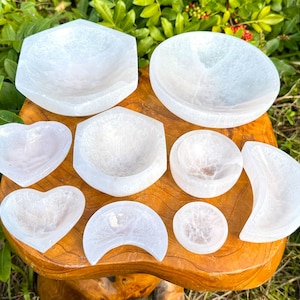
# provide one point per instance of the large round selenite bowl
(213, 79)
(205, 163)
(77, 69)
(120, 152)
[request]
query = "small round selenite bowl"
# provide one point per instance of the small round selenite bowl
(200, 227)
(205, 163)
(213, 79)
(79, 68)
(120, 152)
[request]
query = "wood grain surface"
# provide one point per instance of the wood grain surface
(237, 265)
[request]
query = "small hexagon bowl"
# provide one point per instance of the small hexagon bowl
(79, 68)
(213, 79)
(205, 163)
(120, 152)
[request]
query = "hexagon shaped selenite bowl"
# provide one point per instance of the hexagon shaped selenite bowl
(213, 79)
(120, 152)
(79, 68)
(205, 163)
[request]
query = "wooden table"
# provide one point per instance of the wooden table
(64, 269)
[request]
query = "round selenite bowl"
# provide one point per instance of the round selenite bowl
(205, 163)
(120, 152)
(213, 79)
(200, 227)
(79, 68)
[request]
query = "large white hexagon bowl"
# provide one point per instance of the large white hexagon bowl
(79, 68)
(213, 79)
(120, 152)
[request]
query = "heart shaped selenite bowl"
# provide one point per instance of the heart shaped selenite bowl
(205, 163)
(79, 68)
(28, 153)
(125, 223)
(120, 152)
(41, 219)
(275, 181)
(213, 79)
(200, 227)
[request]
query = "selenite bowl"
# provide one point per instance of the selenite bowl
(79, 68)
(275, 179)
(205, 163)
(28, 153)
(200, 227)
(120, 152)
(213, 79)
(124, 223)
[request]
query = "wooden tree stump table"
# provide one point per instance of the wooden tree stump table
(128, 271)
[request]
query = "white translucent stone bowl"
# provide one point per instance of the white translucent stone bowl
(120, 152)
(200, 227)
(275, 181)
(28, 153)
(41, 219)
(213, 79)
(205, 163)
(124, 223)
(79, 68)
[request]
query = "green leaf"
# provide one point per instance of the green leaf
(167, 27)
(128, 23)
(283, 67)
(234, 3)
(144, 45)
(271, 46)
(1, 81)
(156, 34)
(10, 68)
(5, 260)
(169, 13)
(119, 12)
(9, 117)
(104, 10)
(140, 33)
(143, 2)
(8, 33)
(179, 23)
(290, 25)
(272, 19)
(150, 10)
(10, 98)
(264, 12)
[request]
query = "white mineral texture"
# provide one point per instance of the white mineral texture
(79, 68)
(205, 163)
(120, 152)
(124, 223)
(41, 219)
(28, 153)
(275, 181)
(213, 79)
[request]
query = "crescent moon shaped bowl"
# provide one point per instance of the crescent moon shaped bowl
(213, 79)
(200, 227)
(120, 152)
(124, 223)
(28, 153)
(41, 219)
(79, 68)
(205, 163)
(275, 181)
